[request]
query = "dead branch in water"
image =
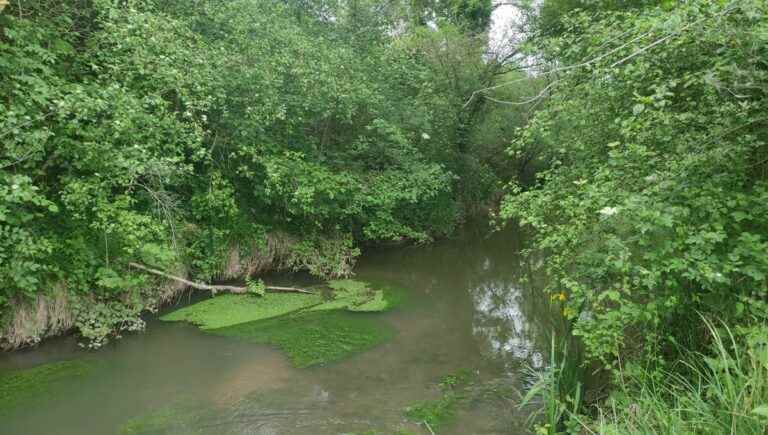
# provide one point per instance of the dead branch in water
(216, 288)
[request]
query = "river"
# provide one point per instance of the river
(472, 307)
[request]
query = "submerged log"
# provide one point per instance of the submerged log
(214, 288)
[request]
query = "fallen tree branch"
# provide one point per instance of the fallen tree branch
(216, 288)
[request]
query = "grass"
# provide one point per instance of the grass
(557, 391)
(181, 417)
(314, 338)
(24, 387)
(724, 392)
(154, 422)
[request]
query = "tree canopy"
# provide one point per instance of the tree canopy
(176, 131)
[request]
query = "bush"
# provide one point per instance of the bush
(655, 202)
(171, 132)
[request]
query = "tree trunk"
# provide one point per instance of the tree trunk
(216, 288)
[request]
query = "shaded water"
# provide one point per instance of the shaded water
(468, 308)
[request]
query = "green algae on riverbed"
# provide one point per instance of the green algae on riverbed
(177, 418)
(310, 329)
(30, 386)
(314, 338)
(456, 389)
(436, 413)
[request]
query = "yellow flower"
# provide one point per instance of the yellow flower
(562, 296)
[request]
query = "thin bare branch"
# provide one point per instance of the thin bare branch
(215, 288)
(596, 59)
(523, 103)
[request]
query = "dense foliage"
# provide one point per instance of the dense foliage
(218, 139)
(183, 133)
(654, 204)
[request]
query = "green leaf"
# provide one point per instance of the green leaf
(761, 410)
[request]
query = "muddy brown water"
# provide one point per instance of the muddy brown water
(471, 305)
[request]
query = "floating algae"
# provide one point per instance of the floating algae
(310, 329)
(29, 386)
(353, 295)
(229, 309)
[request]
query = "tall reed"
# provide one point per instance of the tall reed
(557, 391)
(722, 392)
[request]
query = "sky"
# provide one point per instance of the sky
(503, 26)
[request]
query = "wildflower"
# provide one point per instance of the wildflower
(609, 211)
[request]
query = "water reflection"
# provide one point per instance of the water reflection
(500, 324)
(511, 319)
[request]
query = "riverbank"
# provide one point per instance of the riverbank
(98, 319)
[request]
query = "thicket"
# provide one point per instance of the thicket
(190, 134)
(653, 209)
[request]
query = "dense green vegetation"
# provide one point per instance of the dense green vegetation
(223, 138)
(653, 208)
(220, 139)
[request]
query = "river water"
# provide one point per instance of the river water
(472, 306)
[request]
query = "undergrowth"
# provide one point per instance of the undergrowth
(724, 391)
(721, 391)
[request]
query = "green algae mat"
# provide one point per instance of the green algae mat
(358, 296)
(230, 309)
(314, 338)
(30, 386)
(310, 329)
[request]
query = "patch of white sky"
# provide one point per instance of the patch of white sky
(506, 32)
(505, 22)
